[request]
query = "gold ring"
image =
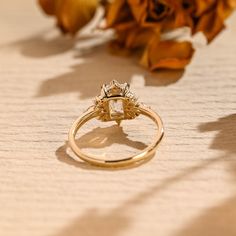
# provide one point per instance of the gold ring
(116, 103)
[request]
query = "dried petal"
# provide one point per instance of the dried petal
(48, 6)
(203, 6)
(164, 14)
(167, 54)
(117, 13)
(152, 13)
(71, 15)
(138, 9)
(212, 22)
(140, 37)
(136, 23)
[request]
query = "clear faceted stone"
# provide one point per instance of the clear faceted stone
(116, 108)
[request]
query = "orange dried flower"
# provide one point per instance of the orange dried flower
(141, 23)
(71, 15)
(163, 14)
(208, 16)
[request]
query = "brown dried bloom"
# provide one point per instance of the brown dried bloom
(141, 24)
(71, 15)
(164, 14)
(208, 16)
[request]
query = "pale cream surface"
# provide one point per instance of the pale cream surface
(187, 189)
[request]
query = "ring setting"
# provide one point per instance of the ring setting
(116, 103)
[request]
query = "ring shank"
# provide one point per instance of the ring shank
(120, 162)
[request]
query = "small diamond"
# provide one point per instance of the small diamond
(116, 108)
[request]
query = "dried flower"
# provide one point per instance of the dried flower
(210, 19)
(208, 16)
(71, 15)
(141, 24)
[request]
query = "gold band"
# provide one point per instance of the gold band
(92, 159)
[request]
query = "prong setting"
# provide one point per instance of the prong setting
(116, 102)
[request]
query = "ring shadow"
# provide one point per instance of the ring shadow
(100, 138)
(215, 221)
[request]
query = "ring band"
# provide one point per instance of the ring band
(116, 103)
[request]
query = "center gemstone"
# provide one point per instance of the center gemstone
(116, 108)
